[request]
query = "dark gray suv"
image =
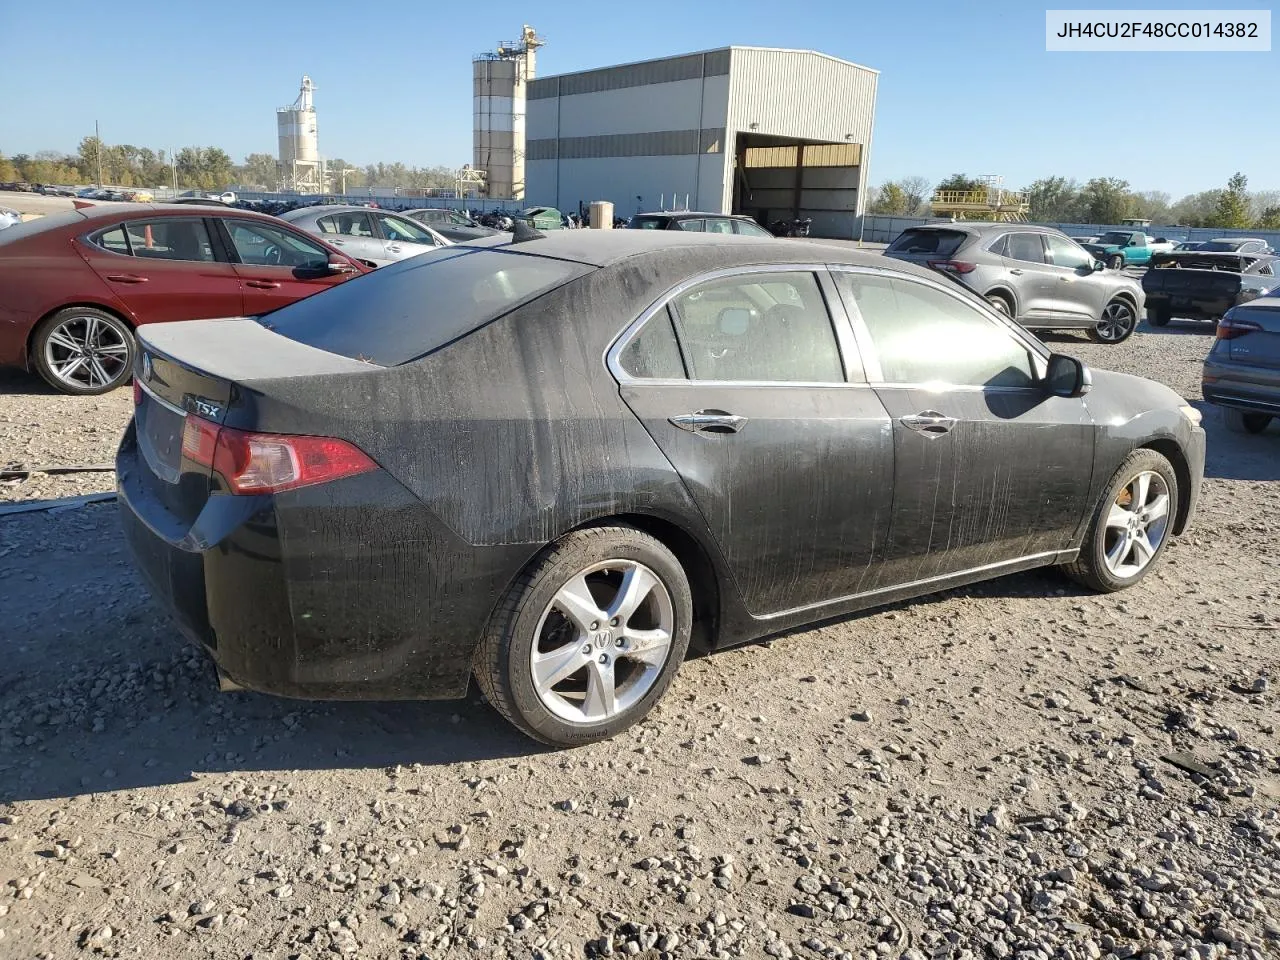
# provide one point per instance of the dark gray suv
(1036, 275)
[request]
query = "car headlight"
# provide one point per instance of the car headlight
(1191, 413)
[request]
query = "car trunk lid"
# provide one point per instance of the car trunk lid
(206, 371)
(1255, 338)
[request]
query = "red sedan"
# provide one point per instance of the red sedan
(77, 284)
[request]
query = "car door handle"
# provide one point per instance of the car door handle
(709, 421)
(1065, 279)
(393, 247)
(337, 243)
(262, 284)
(929, 423)
(126, 278)
(1016, 271)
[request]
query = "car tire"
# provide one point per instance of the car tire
(1001, 304)
(101, 341)
(1116, 325)
(1245, 421)
(1159, 316)
(1115, 261)
(543, 625)
(1110, 540)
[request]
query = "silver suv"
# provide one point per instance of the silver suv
(1036, 275)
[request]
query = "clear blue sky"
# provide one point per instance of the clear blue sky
(964, 87)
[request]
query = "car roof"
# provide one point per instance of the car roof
(980, 227)
(1235, 240)
(318, 209)
(683, 214)
(600, 248)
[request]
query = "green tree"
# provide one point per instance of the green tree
(1232, 208)
(1053, 200)
(1105, 200)
(1269, 220)
(260, 170)
(959, 181)
(7, 170)
(890, 200)
(1150, 204)
(1196, 209)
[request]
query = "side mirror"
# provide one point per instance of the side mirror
(1067, 377)
(1098, 265)
(340, 266)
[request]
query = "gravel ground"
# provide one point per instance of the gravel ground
(1018, 769)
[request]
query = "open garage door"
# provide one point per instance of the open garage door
(777, 179)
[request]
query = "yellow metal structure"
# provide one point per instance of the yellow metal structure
(984, 204)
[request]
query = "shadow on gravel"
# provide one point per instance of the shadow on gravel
(1238, 456)
(20, 383)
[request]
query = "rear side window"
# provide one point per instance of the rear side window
(402, 312)
(697, 226)
(750, 229)
(653, 353)
(939, 243)
(113, 240)
(1026, 247)
(169, 239)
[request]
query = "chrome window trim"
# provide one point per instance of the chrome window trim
(844, 343)
(171, 407)
(871, 357)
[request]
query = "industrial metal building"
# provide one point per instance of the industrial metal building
(766, 132)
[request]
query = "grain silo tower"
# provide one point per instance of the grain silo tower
(500, 81)
(300, 165)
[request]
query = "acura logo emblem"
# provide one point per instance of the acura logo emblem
(146, 366)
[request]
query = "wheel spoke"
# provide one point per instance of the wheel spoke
(647, 645)
(61, 338)
(1141, 487)
(113, 350)
(1118, 517)
(1118, 551)
(70, 368)
(599, 703)
(98, 375)
(637, 583)
(1159, 507)
(574, 600)
(91, 331)
(557, 665)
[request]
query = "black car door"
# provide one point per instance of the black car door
(758, 400)
(989, 467)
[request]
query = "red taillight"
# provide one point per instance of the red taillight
(1229, 329)
(269, 463)
(953, 266)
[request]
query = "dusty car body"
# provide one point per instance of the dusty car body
(555, 463)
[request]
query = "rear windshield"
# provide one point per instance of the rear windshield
(942, 243)
(648, 223)
(402, 312)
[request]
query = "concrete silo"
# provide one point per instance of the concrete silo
(301, 168)
(500, 80)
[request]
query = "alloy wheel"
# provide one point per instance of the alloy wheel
(1136, 525)
(86, 351)
(602, 642)
(1117, 322)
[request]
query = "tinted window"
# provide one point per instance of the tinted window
(396, 228)
(1001, 247)
(1064, 253)
(654, 352)
(923, 335)
(264, 245)
(941, 243)
(348, 224)
(750, 229)
(648, 223)
(1025, 246)
(1221, 246)
(719, 226)
(698, 226)
(406, 310)
(113, 240)
(169, 239)
(764, 327)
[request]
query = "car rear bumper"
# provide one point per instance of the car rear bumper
(345, 590)
(1245, 387)
(1189, 307)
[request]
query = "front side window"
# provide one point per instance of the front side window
(261, 244)
(758, 327)
(1025, 247)
(347, 224)
(1068, 254)
(923, 335)
(170, 239)
(397, 229)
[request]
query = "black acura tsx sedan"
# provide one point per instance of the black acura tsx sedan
(554, 462)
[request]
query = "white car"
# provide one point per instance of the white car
(376, 237)
(9, 217)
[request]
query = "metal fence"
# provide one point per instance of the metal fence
(879, 229)
(391, 202)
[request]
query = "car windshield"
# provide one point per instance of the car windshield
(405, 311)
(940, 243)
(1114, 237)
